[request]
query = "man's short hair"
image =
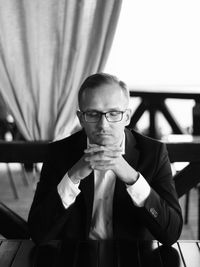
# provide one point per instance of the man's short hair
(99, 79)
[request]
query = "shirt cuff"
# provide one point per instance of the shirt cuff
(139, 191)
(68, 191)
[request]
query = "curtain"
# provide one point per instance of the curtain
(47, 48)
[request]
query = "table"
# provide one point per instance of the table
(123, 253)
(186, 148)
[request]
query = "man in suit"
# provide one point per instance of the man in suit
(105, 181)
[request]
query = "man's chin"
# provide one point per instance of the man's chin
(105, 141)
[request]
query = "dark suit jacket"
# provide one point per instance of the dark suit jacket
(159, 219)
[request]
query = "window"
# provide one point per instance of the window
(157, 46)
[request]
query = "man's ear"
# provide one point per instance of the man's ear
(80, 116)
(127, 116)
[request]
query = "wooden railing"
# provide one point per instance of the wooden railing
(179, 151)
(154, 101)
(23, 151)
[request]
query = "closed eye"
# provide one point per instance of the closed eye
(114, 113)
(92, 113)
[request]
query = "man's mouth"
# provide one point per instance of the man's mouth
(103, 134)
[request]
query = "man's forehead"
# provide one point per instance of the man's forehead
(112, 88)
(104, 96)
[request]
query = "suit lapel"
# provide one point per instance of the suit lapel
(131, 152)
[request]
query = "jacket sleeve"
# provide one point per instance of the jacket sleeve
(47, 214)
(162, 213)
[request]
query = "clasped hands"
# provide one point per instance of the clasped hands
(103, 158)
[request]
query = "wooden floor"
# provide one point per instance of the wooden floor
(26, 192)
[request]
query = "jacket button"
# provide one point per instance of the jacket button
(153, 212)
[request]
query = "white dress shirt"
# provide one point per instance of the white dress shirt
(104, 184)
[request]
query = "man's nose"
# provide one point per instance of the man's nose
(103, 121)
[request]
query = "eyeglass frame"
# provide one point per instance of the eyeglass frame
(102, 113)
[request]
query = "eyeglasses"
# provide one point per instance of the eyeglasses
(95, 116)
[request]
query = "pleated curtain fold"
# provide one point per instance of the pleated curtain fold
(47, 48)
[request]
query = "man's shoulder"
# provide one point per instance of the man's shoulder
(76, 139)
(144, 141)
(76, 135)
(142, 137)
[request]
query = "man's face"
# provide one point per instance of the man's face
(107, 97)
